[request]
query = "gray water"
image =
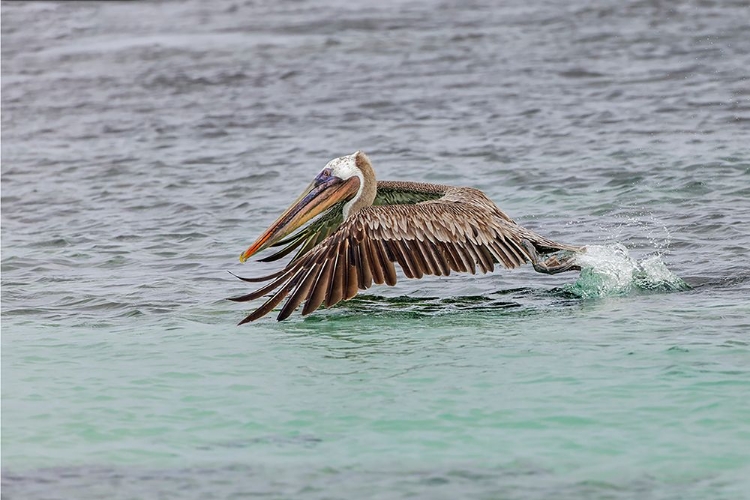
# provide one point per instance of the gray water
(145, 145)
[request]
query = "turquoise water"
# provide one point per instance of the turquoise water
(146, 145)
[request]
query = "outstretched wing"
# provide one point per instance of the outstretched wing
(432, 237)
(388, 193)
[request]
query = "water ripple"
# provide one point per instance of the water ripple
(146, 144)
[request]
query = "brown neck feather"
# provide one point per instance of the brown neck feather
(369, 188)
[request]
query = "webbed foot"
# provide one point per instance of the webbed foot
(552, 263)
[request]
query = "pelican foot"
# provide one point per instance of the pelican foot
(552, 263)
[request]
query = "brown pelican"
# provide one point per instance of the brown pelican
(366, 226)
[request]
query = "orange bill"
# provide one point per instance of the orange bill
(324, 192)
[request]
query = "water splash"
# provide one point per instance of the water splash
(608, 270)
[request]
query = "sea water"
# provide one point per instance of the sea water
(145, 145)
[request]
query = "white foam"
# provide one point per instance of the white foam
(608, 270)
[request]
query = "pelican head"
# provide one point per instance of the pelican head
(342, 179)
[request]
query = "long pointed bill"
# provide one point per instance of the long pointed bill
(324, 192)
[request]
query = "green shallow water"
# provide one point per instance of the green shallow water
(145, 145)
(573, 400)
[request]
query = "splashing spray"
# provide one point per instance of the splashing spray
(609, 270)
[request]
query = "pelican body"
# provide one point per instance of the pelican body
(364, 227)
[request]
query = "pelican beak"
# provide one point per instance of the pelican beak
(324, 192)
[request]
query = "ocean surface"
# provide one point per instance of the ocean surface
(145, 145)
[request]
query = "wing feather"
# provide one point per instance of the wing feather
(352, 282)
(378, 274)
(364, 264)
(275, 300)
(471, 250)
(466, 258)
(422, 234)
(300, 293)
(318, 293)
(439, 258)
(455, 260)
(420, 261)
(336, 289)
(410, 266)
(386, 261)
(260, 279)
(425, 249)
(262, 291)
(518, 250)
(486, 258)
(293, 244)
(502, 255)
